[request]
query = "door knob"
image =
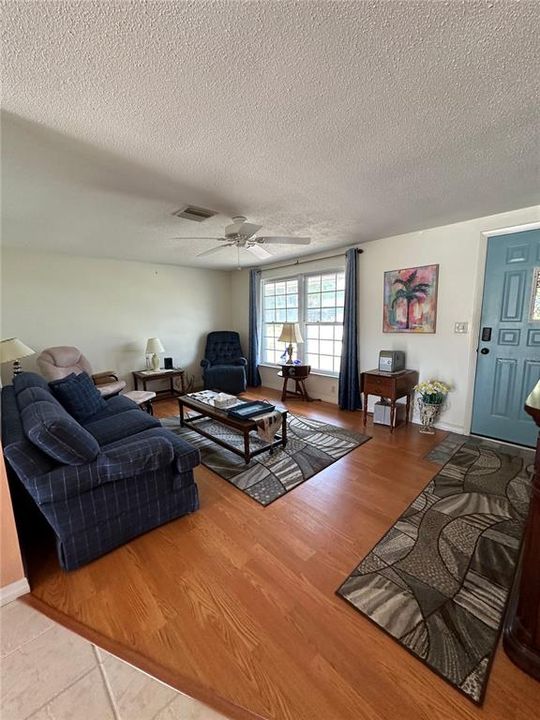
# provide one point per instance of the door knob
(484, 351)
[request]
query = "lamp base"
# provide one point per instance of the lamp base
(155, 362)
(289, 352)
(17, 369)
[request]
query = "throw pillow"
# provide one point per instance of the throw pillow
(78, 395)
(52, 430)
(35, 394)
(28, 379)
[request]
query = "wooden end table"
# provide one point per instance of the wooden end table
(389, 385)
(521, 636)
(146, 376)
(299, 374)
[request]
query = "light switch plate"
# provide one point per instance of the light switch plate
(461, 327)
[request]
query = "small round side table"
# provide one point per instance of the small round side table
(299, 374)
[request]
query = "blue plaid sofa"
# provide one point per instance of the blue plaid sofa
(99, 484)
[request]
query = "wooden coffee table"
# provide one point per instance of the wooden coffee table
(205, 410)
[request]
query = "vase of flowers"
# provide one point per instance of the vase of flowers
(431, 398)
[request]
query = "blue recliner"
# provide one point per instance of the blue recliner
(224, 366)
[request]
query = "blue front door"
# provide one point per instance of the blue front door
(508, 363)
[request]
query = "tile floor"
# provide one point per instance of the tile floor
(50, 673)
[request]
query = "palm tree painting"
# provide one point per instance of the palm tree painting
(410, 299)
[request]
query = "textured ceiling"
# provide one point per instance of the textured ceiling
(346, 121)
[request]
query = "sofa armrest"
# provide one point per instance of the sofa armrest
(125, 461)
(134, 458)
(104, 377)
(205, 363)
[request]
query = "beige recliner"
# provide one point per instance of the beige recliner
(59, 362)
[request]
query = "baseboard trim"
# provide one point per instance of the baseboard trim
(13, 591)
(459, 429)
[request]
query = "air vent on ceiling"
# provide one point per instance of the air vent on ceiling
(190, 212)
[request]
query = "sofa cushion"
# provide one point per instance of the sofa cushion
(53, 431)
(29, 379)
(114, 406)
(34, 394)
(186, 456)
(78, 395)
(122, 425)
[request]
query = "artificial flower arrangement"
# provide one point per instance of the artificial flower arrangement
(432, 392)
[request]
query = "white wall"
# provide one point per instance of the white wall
(459, 250)
(108, 308)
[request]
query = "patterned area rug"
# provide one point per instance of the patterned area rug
(311, 447)
(438, 581)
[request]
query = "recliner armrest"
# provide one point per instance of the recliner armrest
(240, 361)
(125, 461)
(205, 363)
(104, 377)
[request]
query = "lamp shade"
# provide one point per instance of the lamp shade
(13, 349)
(154, 346)
(290, 333)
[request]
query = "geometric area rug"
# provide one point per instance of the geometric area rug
(439, 580)
(311, 446)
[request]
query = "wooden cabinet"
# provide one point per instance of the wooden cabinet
(522, 626)
(389, 385)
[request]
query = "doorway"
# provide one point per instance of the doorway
(508, 359)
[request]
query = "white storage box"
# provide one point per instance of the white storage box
(382, 410)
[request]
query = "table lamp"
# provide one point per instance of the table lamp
(290, 333)
(14, 349)
(154, 347)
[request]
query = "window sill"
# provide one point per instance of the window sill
(317, 373)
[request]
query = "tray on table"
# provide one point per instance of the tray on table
(250, 409)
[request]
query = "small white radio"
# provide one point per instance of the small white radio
(391, 361)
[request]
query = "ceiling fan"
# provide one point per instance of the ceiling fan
(242, 234)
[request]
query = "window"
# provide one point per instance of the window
(315, 302)
(280, 304)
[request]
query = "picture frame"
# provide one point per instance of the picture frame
(410, 299)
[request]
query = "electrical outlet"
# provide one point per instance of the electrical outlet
(461, 328)
(332, 389)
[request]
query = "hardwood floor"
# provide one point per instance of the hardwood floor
(236, 606)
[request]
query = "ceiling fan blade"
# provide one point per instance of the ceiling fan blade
(213, 250)
(259, 251)
(284, 240)
(197, 238)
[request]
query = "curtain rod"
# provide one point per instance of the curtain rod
(274, 266)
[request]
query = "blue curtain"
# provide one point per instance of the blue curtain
(253, 375)
(349, 384)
